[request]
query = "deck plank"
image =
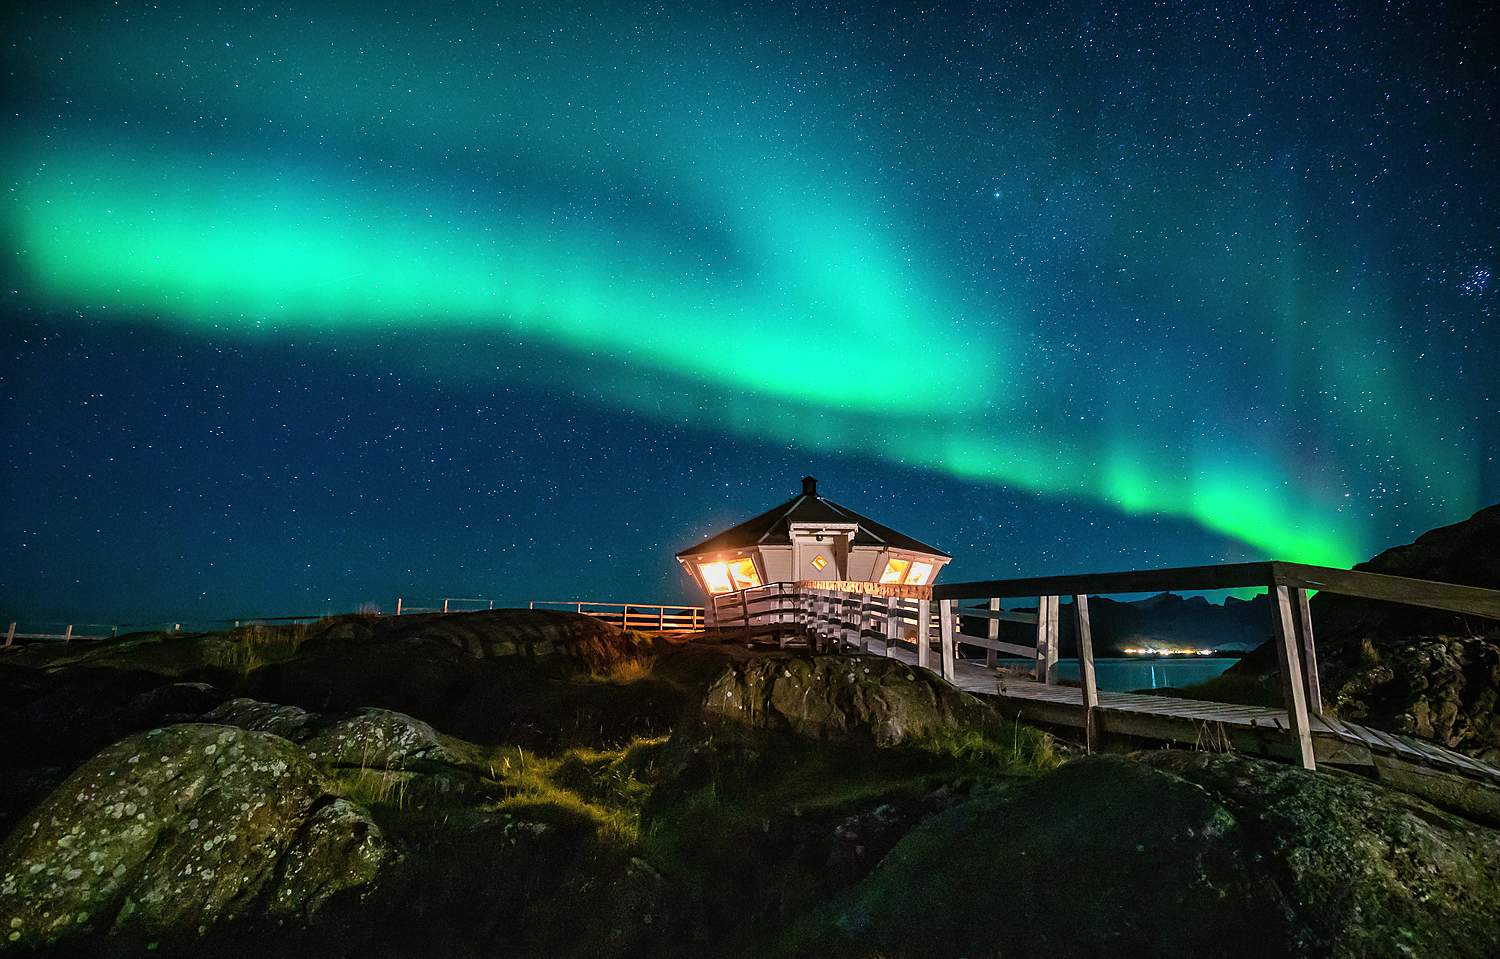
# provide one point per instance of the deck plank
(1181, 719)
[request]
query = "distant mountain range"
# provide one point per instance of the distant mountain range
(1467, 553)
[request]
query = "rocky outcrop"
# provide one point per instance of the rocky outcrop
(1466, 553)
(867, 700)
(183, 831)
(1181, 854)
(1420, 671)
(211, 836)
(796, 784)
(488, 677)
(1408, 669)
(1441, 689)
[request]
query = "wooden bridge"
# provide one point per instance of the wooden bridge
(922, 626)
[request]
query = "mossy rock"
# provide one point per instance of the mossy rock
(1180, 854)
(862, 700)
(182, 832)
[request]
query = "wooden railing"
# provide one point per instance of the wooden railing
(449, 605)
(640, 616)
(67, 635)
(850, 617)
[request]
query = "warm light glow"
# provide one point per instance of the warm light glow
(895, 570)
(744, 574)
(920, 572)
(819, 562)
(716, 577)
(729, 575)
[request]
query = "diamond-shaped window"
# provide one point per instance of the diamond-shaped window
(819, 562)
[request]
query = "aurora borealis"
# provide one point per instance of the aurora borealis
(316, 305)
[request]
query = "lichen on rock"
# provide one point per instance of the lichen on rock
(182, 829)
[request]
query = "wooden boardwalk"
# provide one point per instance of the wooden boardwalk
(861, 616)
(1253, 730)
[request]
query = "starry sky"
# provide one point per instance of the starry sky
(320, 305)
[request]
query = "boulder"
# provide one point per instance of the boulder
(370, 754)
(1439, 688)
(868, 700)
(183, 831)
(288, 722)
(383, 739)
(1181, 854)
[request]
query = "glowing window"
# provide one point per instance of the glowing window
(819, 562)
(919, 574)
(743, 573)
(716, 577)
(895, 571)
(724, 577)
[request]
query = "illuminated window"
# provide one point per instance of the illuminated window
(819, 562)
(730, 575)
(919, 574)
(743, 573)
(895, 571)
(716, 577)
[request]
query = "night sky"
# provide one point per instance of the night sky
(319, 305)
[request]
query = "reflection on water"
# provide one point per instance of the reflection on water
(1122, 674)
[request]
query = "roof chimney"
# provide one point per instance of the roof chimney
(809, 486)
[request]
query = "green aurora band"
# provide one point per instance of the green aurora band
(260, 258)
(740, 291)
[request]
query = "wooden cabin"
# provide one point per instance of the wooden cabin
(810, 539)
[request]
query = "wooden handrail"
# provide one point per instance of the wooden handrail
(646, 616)
(824, 612)
(1471, 600)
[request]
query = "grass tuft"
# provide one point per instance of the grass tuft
(1013, 748)
(256, 644)
(627, 670)
(373, 787)
(598, 790)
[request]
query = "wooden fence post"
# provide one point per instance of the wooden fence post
(809, 602)
(68, 634)
(1086, 667)
(846, 623)
(945, 638)
(924, 633)
(991, 654)
(1039, 668)
(1303, 620)
(10, 637)
(1046, 639)
(815, 618)
(829, 638)
(864, 611)
(398, 605)
(892, 623)
(1294, 692)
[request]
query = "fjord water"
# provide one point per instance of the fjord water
(1125, 673)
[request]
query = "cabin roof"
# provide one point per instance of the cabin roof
(773, 527)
